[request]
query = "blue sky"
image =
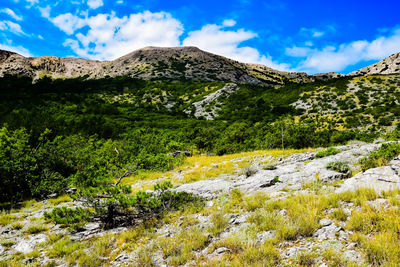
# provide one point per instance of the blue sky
(309, 35)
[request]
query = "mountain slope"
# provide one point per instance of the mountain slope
(390, 65)
(154, 63)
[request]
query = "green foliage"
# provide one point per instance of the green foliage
(327, 152)
(84, 133)
(115, 205)
(381, 156)
(338, 166)
(68, 216)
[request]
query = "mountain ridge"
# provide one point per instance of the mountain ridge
(152, 63)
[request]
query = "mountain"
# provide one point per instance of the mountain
(390, 65)
(154, 63)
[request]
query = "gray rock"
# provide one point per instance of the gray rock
(290, 173)
(325, 222)
(380, 179)
(27, 261)
(262, 237)
(222, 250)
(207, 188)
(327, 232)
(352, 255)
(24, 246)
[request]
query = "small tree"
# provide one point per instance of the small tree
(115, 205)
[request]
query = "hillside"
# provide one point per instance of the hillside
(390, 65)
(179, 157)
(153, 63)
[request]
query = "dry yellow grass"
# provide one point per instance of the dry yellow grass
(201, 167)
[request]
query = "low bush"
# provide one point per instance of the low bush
(68, 216)
(115, 205)
(327, 152)
(381, 156)
(338, 166)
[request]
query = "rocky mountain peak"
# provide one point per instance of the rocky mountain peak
(4, 54)
(390, 65)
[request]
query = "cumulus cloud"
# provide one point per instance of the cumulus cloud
(12, 27)
(107, 36)
(31, 3)
(17, 49)
(222, 41)
(68, 23)
(11, 13)
(337, 58)
(93, 4)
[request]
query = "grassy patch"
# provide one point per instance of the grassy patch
(35, 229)
(381, 156)
(327, 152)
(338, 166)
(180, 248)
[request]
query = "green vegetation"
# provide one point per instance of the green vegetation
(327, 152)
(338, 166)
(68, 216)
(115, 205)
(381, 156)
(79, 133)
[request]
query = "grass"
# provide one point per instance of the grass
(201, 167)
(60, 199)
(327, 152)
(219, 222)
(381, 156)
(338, 166)
(6, 218)
(17, 226)
(7, 243)
(339, 214)
(35, 229)
(180, 247)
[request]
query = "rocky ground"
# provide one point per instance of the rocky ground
(246, 211)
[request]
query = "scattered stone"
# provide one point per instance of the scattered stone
(325, 222)
(71, 190)
(354, 256)
(327, 232)
(380, 179)
(24, 246)
(282, 212)
(52, 195)
(222, 250)
(27, 261)
(262, 237)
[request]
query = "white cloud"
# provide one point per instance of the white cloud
(312, 32)
(229, 23)
(119, 1)
(68, 23)
(93, 4)
(11, 27)
(11, 13)
(217, 39)
(45, 12)
(109, 36)
(31, 3)
(338, 58)
(17, 49)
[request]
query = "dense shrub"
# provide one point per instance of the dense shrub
(381, 156)
(67, 216)
(115, 205)
(327, 152)
(338, 166)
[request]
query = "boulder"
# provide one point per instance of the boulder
(380, 179)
